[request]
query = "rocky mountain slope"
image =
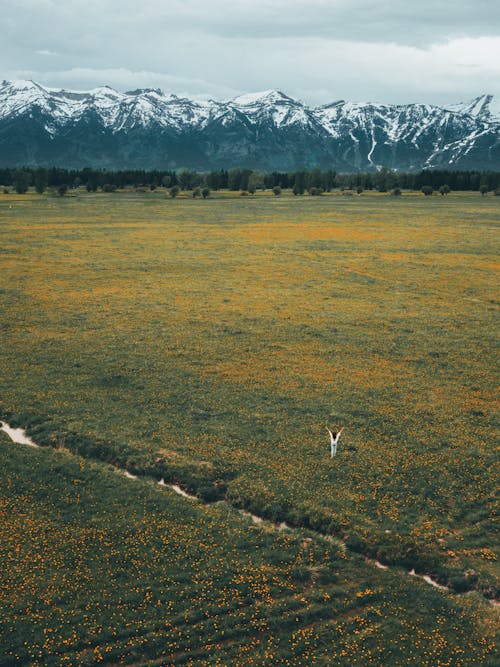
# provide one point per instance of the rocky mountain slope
(148, 129)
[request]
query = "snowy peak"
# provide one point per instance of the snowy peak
(479, 107)
(22, 92)
(267, 130)
(264, 97)
(115, 110)
(272, 106)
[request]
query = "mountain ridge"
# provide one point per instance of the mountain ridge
(146, 128)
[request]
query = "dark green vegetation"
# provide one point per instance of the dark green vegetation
(299, 182)
(209, 341)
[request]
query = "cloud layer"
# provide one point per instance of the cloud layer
(319, 51)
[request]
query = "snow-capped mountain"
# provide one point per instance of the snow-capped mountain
(148, 129)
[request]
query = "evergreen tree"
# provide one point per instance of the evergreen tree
(22, 181)
(41, 181)
(234, 179)
(300, 182)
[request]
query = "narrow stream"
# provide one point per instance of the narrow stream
(18, 435)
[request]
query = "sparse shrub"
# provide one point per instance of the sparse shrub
(109, 187)
(315, 192)
(196, 193)
(277, 190)
(354, 543)
(62, 190)
(205, 193)
(174, 191)
(444, 190)
(210, 494)
(483, 189)
(427, 190)
(460, 583)
(359, 189)
(396, 192)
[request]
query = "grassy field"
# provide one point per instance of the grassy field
(101, 569)
(209, 342)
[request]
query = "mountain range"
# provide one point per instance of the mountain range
(148, 129)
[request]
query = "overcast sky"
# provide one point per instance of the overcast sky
(319, 51)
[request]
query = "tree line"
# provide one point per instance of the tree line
(314, 181)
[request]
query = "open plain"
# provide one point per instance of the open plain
(209, 343)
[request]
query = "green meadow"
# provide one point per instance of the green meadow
(208, 343)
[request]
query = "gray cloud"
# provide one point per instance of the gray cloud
(317, 50)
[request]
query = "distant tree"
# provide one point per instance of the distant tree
(359, 189)
(91, 178)
(174, 191)
(217, 179)
(329, 180)
(166, 181)
(234, 179)
(396, 192)
(21, 182)
(315, 178)
(483, 189)
(256, 181)
(427, 190)
(41, 181)
(205, 193)
(196, 193)
(315, 192)
(62, 190)
(444, 190)
(277, 190)
(384, 180)
(109, 187)
(300, 182)
(189, 179)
